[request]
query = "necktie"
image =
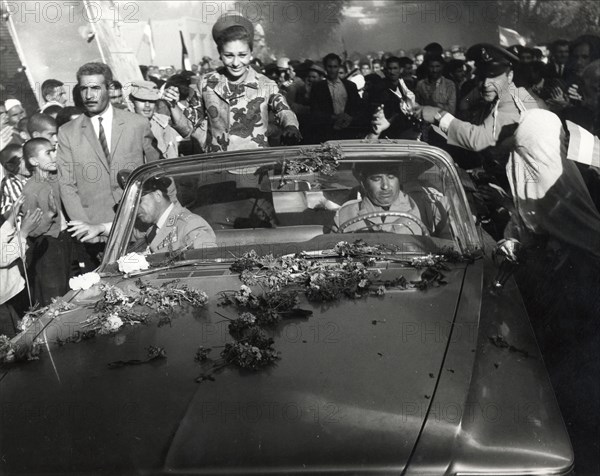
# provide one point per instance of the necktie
(102, 138)
(151, 234)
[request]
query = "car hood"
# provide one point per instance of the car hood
(350, 392)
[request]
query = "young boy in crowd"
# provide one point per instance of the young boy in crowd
(17, 174)
(51, 248)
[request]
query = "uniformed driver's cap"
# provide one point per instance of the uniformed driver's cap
(491, 60)
(406, 170)
(229, 20)
(156, 183)
(362, 170)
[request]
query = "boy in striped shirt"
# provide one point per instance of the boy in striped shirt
(17, 174)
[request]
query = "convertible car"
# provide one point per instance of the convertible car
(301, 340)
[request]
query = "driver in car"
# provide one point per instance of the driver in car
(172, 227)
(382, 205)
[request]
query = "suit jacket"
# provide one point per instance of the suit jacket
(88, 183)
(182, 228)
(321, 108)
(551, 71)
(401, 127)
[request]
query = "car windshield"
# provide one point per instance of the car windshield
(301, 202)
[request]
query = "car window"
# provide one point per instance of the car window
(258, 204)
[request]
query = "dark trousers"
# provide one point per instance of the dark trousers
(50, 268)
(11, 312)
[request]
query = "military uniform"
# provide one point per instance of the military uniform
(181, 229)
(496, 127)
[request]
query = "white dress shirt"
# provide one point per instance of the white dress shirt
(107, 119)
(163, 218)
(339, 95)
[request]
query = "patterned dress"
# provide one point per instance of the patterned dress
(236, 116)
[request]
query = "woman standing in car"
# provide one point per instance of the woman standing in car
(232, 109)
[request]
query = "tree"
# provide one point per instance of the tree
(546, 20)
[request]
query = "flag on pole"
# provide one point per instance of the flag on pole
(185, 61)
(584, 147)
(147, 38)
(510, 37)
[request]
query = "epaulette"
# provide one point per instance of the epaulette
(181, 216)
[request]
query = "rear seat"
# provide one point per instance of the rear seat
(284, 234)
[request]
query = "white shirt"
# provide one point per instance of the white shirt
(163, 218)
(339, 96)
(50, 103)
(107, 119)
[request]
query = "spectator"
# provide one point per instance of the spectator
(14, 113)
(17, 174)
(154, 75)
(526, 55)
(13, 244)
(377, 68)
(115, 92)
(335, 104)
(144, 95)
(559, 56)
(436, 90)
(582, 51)
(407, 67)
(105, 140)
(301, 103)
(51, 245)
(289, 82)
(431, 50)
(456, 71)
(42, 125)
(365, 69)
(388, 92)
(53, 94)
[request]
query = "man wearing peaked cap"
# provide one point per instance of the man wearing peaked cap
(491, 60)
(145, 91)
(495, 65)
(172, 226)
(143, 96)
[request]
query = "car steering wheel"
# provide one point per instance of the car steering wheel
(366, 216)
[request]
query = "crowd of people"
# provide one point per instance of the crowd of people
(468, 101)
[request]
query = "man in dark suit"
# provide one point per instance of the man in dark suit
(387, 92)
(335, 105)
(559, 56)
(93, 148)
